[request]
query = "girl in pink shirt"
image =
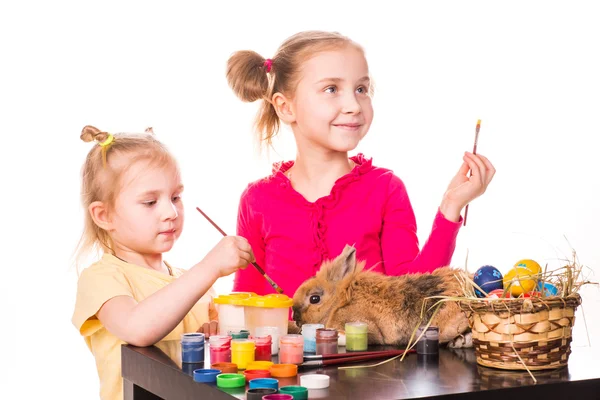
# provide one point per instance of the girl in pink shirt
(307, 210)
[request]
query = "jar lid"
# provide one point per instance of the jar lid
(326, 333)
(269, 301)
(260, 383)
(298, 392)
(226, 368)
(259, 365)
(356, 327)
(257, 394)
(242, 344)
(256, 373)
(206, 375)
(278, 396)
(192, 338)
(241, 334)
(314, 381)
(236, 299)
(283, 370)
(231, 380)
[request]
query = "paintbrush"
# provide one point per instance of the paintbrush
(474, 152)
(258, 268)
(348, 360)
(352, 354)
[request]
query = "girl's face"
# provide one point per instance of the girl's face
(148, 213)
(332, 105)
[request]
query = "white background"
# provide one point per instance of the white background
(528, 70)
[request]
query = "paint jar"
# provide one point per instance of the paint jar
(220, 349)
(327, 341)
(309, 332)
(239, 334)
(272, 331)
(269, 310)
(192, 348)
(242, 352)
(263, 348)
(356, 336)
(231, 311)
(291, 349)
(430, 342)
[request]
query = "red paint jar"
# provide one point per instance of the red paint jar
(327, 341)
(220, 349)
(291, 349)
(263, 348)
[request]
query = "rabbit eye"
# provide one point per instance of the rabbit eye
(315, 299)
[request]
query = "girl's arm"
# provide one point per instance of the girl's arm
(249, 226)
(147, 322)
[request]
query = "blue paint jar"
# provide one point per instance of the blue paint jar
(309, 332)
(192, 348)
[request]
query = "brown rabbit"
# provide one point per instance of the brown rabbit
(391, 305)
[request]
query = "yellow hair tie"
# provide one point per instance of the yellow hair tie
(110, 138)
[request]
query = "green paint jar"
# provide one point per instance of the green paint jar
(356, 336)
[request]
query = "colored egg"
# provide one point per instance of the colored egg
(531, 265)
(488, 278)
(498, 293)
(519, 281)
(547, 289)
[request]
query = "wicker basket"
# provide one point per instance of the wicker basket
(538, 330)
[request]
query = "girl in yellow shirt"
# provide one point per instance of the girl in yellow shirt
(131, 190)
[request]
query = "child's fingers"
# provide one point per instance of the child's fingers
(247, 256)
(243, 244)
(213, 328)
(464, 168)
(205, 328)
(478, 169)
(490, 168)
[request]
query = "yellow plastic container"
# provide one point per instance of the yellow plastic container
(242, 352)
(231, 311)
(269, 310)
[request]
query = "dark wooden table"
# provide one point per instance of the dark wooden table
(149, 373)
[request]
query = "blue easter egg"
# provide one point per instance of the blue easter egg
(488, 278)
(548, 289)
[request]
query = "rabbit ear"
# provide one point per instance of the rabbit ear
(345, 264)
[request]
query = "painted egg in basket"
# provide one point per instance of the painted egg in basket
(488, 278)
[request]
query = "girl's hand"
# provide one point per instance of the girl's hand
(464, 189)
(209, 329)
(229, 255)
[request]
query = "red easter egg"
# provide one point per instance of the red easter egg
(497, 294)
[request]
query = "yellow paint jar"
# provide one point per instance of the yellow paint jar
(242, 352)
(356, 336)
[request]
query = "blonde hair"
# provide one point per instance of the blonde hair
(252, 77)
(102, 181)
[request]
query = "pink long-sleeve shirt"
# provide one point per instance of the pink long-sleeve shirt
(368, 208)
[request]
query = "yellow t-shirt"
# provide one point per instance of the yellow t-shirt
(111, 277)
